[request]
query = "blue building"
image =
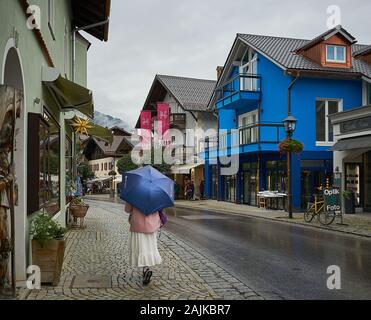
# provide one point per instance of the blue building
(261, 76)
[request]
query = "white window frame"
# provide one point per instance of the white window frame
(248, 84)
(336, 47)
(51, 17)
(327, 143)
(250, 115)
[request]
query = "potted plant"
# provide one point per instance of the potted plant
(349, 202)
(48, 246)
(78, 209)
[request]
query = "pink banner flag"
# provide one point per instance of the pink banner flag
(163, 118)
(146, 129)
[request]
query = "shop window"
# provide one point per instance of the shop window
(214, 182)
(49, 165)
(324, 128)
(43, 177)
(230, 188)
(68, 148)
(105, 166)
(249, 183)
(276, 179)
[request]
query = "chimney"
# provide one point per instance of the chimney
(219, 70)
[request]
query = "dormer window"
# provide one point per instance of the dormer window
(335, 54)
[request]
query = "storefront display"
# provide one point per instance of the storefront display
(249, 183)
(353, 180)
(214, 182)
(276, 176)
(230, 188)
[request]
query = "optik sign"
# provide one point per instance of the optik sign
(332, 200)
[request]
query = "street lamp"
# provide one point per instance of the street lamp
(290, 126)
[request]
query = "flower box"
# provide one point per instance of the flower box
(49, 258)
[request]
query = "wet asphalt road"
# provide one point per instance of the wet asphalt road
(287, 260)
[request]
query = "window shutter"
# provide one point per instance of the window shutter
(33, 168)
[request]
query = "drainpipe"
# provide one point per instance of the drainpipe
(74, 43)
(289, 187)
(289, 93)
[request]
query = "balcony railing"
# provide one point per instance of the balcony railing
(178, 120)
(257, 133)
(244, 86)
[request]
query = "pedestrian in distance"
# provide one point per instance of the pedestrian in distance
(191, 190)
(202, 190)
(143, 240)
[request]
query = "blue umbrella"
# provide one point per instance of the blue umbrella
(147, 189)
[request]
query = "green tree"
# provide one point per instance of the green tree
(85, 172)
(125, 164)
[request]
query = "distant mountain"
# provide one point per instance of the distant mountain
(108, 121)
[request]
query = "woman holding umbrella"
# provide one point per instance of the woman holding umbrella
(146, 192)
(143, 240)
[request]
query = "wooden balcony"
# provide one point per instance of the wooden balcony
(178, 120)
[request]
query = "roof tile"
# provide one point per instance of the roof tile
(282, 51)
(193, 94)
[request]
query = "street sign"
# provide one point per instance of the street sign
(332, 200)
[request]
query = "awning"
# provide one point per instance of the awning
(67, 94)
(118, 179)
(103, 179)
(184, 169)
(353, 143)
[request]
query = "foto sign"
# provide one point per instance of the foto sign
(332, 199)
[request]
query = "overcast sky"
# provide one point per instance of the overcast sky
(191, 37)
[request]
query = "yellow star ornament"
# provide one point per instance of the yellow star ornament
(81, 126)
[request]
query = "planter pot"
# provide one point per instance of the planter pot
(79, 211)
(49, 259)
(349, 205)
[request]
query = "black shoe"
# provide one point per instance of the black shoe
(147, 277)
(145, 269)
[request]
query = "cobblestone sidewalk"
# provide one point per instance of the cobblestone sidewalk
(96, 267)
(359, 224)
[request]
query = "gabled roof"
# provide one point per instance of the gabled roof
(326, 35)
(282, 51)
(111, 150)
(108, 150)
(192, 94)
(122, 130)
